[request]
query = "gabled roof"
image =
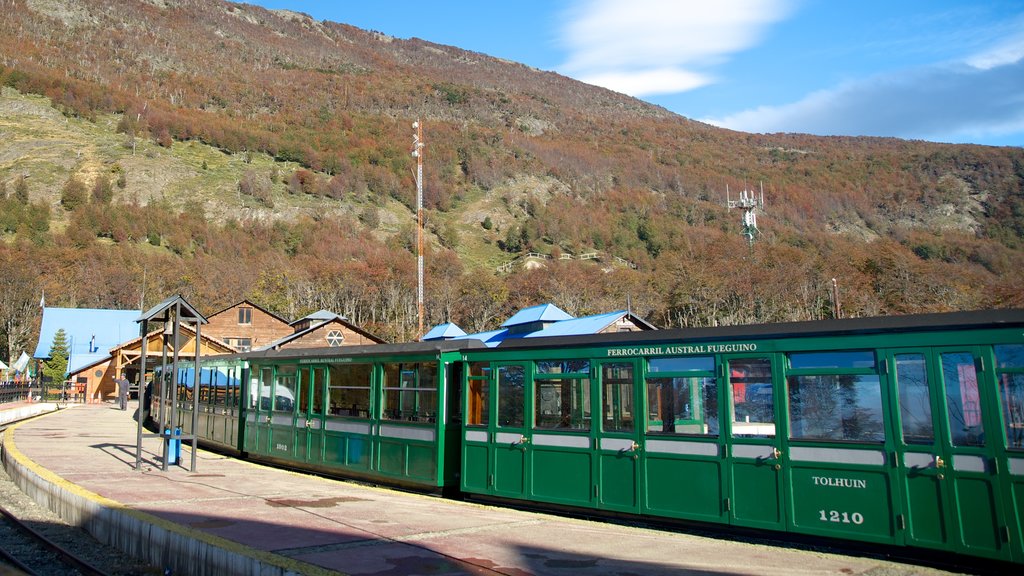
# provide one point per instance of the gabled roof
(319, 316)
(88, 329)
(162, 311)
(539, 313)
(443, 331)
(86, 361)
(587, 325)
(313, 327)
(249, 303)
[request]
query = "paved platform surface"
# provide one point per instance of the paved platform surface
(303, 524)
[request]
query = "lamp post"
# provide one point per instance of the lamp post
(417, 152)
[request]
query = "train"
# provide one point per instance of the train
(906, 431)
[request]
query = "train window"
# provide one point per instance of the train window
(510, 396)
(843, 359)
(349, 389)
(963, 402)
(562, 403)
(478, 397)
(266, 379)
(753, 405)
(915, 400)
(845, 407)
(1010, 356)
(563, 367)
(682, 405)
(617, 400)
(682, 364)
(284, 389)
(318, 391)
(1010, 370)
(410, 392)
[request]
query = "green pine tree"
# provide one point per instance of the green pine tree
(57, 365)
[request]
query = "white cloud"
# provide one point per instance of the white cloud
(645, 47)
(981, 96)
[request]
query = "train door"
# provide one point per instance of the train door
(281, 440)
(756, 453)
(257, 437)
(946, 461)
(511, 432)
(619, 436)
(309, 418)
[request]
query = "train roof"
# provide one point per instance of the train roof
(979, 319)
(434, 347)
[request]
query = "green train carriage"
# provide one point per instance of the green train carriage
(384, 413)
(901, 430)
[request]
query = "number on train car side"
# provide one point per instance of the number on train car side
(841, 517)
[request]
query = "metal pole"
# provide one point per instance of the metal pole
(143, 408)
(173, 418)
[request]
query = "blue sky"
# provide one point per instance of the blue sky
(940, 70)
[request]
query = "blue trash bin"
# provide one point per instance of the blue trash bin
(173, 445)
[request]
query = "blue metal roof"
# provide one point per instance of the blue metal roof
(490, 339)
(443, 331)
(539, 313)
(579, 326)
(88, 330)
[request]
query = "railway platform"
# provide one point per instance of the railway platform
(235, 517)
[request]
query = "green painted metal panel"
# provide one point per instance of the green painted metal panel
(475, 468)
(685, 488)
(926, 510)
(755, 495)
(562, 476)
(843, 502)
(618, 476)
(422, 462)
(391, 457)
(979, 520)
(510, 471)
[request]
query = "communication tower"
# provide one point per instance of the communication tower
(417, 152)
(750, 203)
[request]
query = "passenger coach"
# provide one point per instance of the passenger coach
(899, 430)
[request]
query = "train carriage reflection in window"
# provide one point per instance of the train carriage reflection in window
(682, 396)
(753, 405)
(410, 392)
(349, 390)
(838, 399)
(1010, 370)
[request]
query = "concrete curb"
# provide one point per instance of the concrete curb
(144, 536)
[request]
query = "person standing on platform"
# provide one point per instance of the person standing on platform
(122, 391)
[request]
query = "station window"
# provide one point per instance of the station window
(682, 396)
(243, 344)
(477, 403)
(835, 395)
(562, 395)
(410, 392)
(1010, 372)
(511, 381)
(349, 389)
(245, 315)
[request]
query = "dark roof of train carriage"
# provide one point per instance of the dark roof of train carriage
(846, 326)
(367, 350)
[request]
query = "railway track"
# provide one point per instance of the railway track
(33, 553)
(35, 541)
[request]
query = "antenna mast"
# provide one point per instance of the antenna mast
(750, 203)
(417, 152)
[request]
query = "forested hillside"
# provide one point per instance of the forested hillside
(223, 151)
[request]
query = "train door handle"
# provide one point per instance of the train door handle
(309, 423)
(524, 440)
(634, 447)
(776, 453)
(939, 462)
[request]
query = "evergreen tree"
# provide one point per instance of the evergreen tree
(21, 190)
(57, 365)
